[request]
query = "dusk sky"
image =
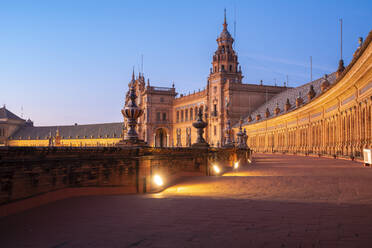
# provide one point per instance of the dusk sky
(67, 62)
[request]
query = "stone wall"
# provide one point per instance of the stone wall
(32, 176)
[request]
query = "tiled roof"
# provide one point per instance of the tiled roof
(291, 94)
(225, 35)
(105, 130)
(6, 114)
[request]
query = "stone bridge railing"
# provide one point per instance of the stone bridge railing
(34, 176)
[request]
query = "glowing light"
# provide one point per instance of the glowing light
(158, 180)
(236, 165)
(216, 169)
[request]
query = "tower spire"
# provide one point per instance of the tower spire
(224, 20)
(133, 74)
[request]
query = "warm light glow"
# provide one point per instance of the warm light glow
(236, 165)
(158, 180)
(216, 169)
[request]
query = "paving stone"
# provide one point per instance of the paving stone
(279, 201)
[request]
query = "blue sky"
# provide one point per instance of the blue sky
(66, 62)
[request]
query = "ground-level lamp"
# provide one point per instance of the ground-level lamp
(236, 165)
(216, 169)
(158, 180)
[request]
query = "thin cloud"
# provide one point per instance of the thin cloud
(287, 62)
(268, 69)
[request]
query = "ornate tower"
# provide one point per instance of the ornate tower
(225, 61)
(225, 71)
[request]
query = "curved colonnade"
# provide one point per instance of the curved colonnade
(337, 122)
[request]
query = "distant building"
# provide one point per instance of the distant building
(9, 123)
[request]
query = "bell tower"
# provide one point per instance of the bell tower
(225, 61)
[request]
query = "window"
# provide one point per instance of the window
(196, 113)
(230, 68)
(186, 115)
(181, 115)
(222, 68)
(215, 130)
(164, 116)
(178, 116)
(161, 99)
(191, 114)
(158, 116)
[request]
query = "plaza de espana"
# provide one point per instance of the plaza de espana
(328, 116)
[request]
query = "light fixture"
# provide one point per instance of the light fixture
(216, 169)
(158, 180)
(236, 165)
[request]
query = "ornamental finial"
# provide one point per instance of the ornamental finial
(224, 20)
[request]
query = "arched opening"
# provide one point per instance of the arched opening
(161, 138)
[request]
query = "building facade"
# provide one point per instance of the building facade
(225, 99)
(329, 116)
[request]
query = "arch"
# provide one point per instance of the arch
(161, 137)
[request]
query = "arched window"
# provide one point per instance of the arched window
(178, 116)
(230, 68)
(181, 115)
(191, 114)
(186, 115)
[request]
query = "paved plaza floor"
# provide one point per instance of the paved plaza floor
(279, 201)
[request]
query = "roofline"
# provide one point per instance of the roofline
(78, 125)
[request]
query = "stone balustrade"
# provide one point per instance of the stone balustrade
(31, 176)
